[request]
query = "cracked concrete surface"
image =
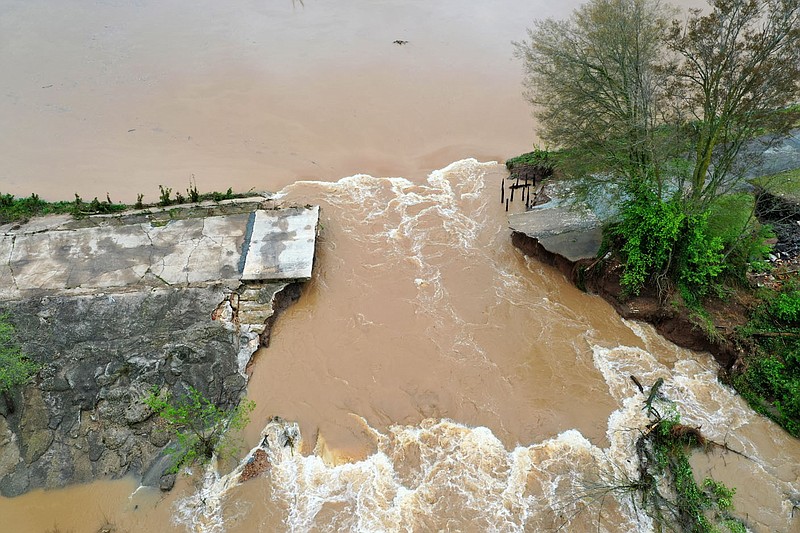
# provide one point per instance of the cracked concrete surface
(42, 256)
(114, 306)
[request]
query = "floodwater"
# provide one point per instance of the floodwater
(440, 380)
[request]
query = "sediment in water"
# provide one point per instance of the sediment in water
(673, 324)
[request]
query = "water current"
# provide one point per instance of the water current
(438, 378)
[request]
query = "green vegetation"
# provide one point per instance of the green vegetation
(659, 241)
(664, 484)
(538, 158)
(200, 428)
(15, 368)
(14, 209)
(164, 198)
(656, 113)
(770, 377)
(663, 452)
(193, 195)
(667, 485)
(782, 184)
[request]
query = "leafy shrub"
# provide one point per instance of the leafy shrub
(731, 218)
(15, 368)
(657, 239)
(192, 192)
(537, 157)
(13, 209)
(164, 198)
(786, 307)
(700, 256)
(648, 231)
(200, 427)
(772, 387)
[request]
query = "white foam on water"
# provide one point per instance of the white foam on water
(442, 475)
(701, 400)
(439, 475)
(423, 225)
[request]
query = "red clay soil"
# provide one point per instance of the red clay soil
(672, 322)
(257, 465)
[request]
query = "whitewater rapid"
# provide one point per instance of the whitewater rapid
(454, 472)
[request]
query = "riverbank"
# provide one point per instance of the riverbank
(749, 323)
(674, 323)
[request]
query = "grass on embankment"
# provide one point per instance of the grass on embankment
(785, 184)
(14, 209)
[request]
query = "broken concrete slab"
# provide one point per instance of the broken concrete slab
(173, 252)
(281, 244)
(573, 233)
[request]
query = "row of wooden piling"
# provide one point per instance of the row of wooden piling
(526, 185)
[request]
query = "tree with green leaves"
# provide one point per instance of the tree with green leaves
(735, 74)
(15, 368)
(200, 427)
(661, 112)
(597, 90)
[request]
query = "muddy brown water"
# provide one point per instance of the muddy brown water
(440, 380)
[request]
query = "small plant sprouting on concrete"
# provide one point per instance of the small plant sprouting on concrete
(165, 197)
(14, 209)
(192, 192)
(201, 429)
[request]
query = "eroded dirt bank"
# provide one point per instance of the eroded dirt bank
(674, 324)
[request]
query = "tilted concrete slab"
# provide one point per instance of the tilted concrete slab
(282, 244)
(175, 252)
(572, 233)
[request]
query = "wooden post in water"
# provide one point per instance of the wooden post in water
(507, 204)
(502, 191)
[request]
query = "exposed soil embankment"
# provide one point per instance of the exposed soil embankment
(674, 324)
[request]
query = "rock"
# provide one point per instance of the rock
(573, 234)
(137, 412)
(36, 443)
(9, 450)
(110, 350)
(159, 437)
(115, 437)
(158, 467)
(256, 465)
(17, 482)
(166, 482)
(96, 446)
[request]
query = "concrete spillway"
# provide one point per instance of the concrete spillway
(112, 306)
(115, 252)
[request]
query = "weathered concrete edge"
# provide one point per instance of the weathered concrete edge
(671, 325)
